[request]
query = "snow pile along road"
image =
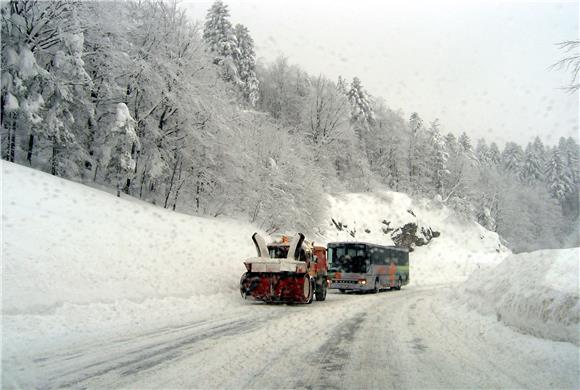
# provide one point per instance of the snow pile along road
(537, 293)
(462, 247)
(66, 243)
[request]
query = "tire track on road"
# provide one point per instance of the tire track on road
(132, 358)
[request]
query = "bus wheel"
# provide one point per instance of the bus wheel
(321, 291)
(342, 290)
(377, 287)
(399, 284)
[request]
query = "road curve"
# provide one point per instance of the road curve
(413, 338)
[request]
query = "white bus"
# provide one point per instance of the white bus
(361, 266)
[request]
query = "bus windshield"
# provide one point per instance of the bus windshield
(349, 258)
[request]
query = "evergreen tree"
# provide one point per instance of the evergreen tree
(465, 145)
(539, 151)
(557, 177)
(362, 111)
(439, 158)
(532, 167)
(512, 157)
(494, 155)
(482, 152)
(415, 127)
(451, 144)
(341, 85)
(221, 39)
(570, 152)
(246, 64)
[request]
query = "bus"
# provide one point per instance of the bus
(360, 266)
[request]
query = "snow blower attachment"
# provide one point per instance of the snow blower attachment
(290, 271)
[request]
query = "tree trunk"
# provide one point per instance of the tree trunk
(141, 186)
(171, 183)
(179, 186)
(127, 188)
(30, 147)
(11, 139)
(198, 192)
(96, 170)
(53, 160)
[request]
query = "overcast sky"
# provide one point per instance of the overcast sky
(478, 66)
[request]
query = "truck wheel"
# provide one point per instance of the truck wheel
(321, 291)
(312, 290)
(243, 290)
(399, 284)
(308, 290)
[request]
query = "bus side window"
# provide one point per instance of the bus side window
(383, 256)
(375, 256)
(388, 256)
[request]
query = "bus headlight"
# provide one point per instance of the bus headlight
(362, 281)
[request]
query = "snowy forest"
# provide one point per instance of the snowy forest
(135, 97)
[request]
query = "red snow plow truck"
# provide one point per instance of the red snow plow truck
(285, 271)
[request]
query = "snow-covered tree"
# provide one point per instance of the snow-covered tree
(284, 91)
(482, 152)
(362, 111)
(451, 145)
(570, 152)
(465, 146)
(512, 157)
(342, 85)
(439, 157)
(494, 155)
(42, 56)
(415, 128)
(124, 145)
(558, 177)
(221, 40)
(327, 114)
(246, 64)
(532, 167)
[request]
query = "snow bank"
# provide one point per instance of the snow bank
(65, 243)
(462, 247)
(537, 293)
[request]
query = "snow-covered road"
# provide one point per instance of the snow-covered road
(413, 338)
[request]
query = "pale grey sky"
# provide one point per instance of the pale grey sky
(478, 66)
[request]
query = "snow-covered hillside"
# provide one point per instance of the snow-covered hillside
(65, 243)
(462, 247)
